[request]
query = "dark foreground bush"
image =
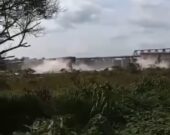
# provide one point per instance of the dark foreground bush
(16, 112)
(143, 108)
(4, 85)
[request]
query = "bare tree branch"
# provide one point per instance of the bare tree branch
(19, 18)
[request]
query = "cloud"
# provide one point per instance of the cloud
(150, 25)
(120, 37)
(77, 49)
(104, 28)
(147, 2)
(87, 14)
(152, 14)
(78, 13)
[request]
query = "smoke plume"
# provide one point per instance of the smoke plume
(58, 66)
(51, 66)
(152, 63)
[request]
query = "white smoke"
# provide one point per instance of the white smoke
(92, 67)
(57, 66)
(152, 63)
(60, 65)
(83, 67)
(51, 66)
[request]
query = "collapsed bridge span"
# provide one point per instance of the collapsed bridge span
(145, 58)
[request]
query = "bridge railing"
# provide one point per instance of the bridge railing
(139, 52)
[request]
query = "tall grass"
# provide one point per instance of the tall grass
(89, 104)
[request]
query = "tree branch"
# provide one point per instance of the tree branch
(18, 18)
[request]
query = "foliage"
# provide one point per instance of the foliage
(17, 111)
(88, 105)
(4, 85)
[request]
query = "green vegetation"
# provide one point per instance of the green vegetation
(89, 103)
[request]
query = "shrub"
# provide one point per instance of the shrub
(19, 111)
(43, 93)
(4, 85)
(90, 105)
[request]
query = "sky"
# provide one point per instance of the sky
(89, 28)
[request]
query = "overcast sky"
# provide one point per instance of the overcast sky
(103, 28)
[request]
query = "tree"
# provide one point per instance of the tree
(19, 18)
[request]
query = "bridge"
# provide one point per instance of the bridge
(139, 52)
